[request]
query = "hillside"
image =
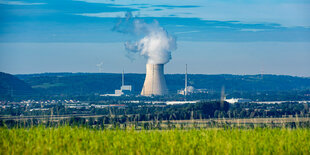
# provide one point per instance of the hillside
(90, 83)
(11, 86)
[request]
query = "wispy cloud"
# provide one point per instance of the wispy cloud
(288, 13)
(204, 23)
(253, 30)
(104, 14)
(184, 32)
(7, 2)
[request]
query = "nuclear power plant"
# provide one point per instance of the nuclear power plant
(156, 45)
(155, 83)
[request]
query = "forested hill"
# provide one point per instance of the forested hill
(90, 83)
(11, 86)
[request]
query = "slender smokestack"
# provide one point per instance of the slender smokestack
(123, 82)
(155, 83)
(185, 90)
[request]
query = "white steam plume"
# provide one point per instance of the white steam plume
(156, 44)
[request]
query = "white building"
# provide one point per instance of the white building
(237, 100)
(188, 90)
(125, 89)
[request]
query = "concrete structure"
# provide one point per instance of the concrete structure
(237, 100)
(187, 90)
(201, 91)
(155, 83)
(180, 102)
(125, 89)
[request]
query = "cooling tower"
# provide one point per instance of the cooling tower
(155, 83)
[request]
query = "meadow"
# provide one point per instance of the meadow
(83, 140)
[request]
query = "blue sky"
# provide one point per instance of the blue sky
(213, 37)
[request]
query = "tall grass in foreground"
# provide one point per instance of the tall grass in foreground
(80, 140)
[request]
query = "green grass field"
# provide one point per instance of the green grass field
(80, 140)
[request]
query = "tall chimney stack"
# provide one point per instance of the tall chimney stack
(155, 83)
(185, 89)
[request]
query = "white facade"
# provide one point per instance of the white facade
(180, 102)
(126, 87)
(188, 90)
(237, 100)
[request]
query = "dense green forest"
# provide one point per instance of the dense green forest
(11, 85)
(107, 82)
(91, 84)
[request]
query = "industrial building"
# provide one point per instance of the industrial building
(237, 100)
(187, 89)
(125, 89)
